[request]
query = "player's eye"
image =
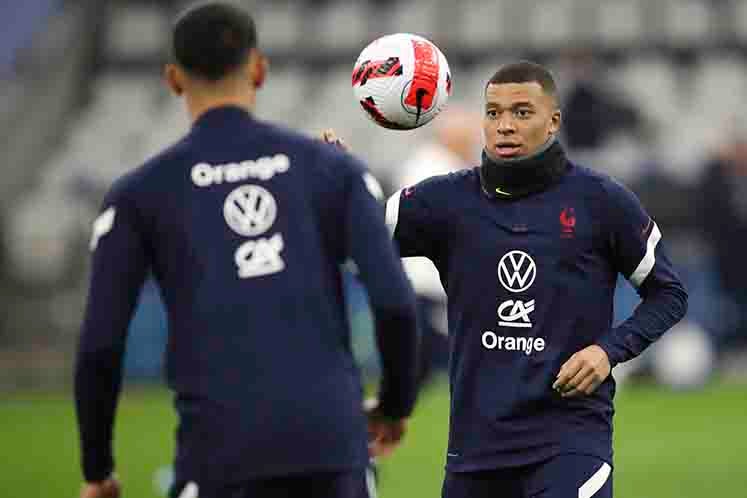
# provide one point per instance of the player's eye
(491, 113)
(523, 113)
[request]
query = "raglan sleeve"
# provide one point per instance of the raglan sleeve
(412, 220)
(390, 294)
(118, 270)
(638, 253)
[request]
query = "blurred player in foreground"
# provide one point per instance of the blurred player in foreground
(245, 226)
(528, 246)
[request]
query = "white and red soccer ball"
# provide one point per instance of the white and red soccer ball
(401, 81)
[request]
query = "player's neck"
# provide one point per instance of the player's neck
(518, 178)
(198, 104)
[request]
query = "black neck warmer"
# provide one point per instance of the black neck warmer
(512, 179)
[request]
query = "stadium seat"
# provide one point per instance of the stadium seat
(718, 84)
(684, 149)
(619, 23)
(125, 93)
(341, 25)
(482, 23)
(470, 83)
(688, 21)
(278, 26)
(651, 84)
(168, 123)
(738, 15)
(120, 128)
(418, 17)
(40, 238)
(136, 30)
(331, 90)
(283, 96)
(551, 23)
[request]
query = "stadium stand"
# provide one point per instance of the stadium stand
(674, 61)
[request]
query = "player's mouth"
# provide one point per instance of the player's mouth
(508, 150)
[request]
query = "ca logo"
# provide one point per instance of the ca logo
(515, 313)
(256, 258)
(516, 271)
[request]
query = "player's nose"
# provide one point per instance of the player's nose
(506, 125)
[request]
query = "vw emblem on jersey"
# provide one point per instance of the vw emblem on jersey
(250, 210)
(516, 271)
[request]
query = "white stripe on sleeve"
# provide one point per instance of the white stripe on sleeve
(190, 491)
(101, 226)
(649, 259)
(373, 186)
(595, 482)
(371, 483)
(392, 211)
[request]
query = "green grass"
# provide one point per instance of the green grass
(668, 445)
(39, 438)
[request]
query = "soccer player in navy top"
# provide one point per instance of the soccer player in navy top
(246, 226)
(529, 246)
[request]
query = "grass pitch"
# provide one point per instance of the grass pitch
(667, 444)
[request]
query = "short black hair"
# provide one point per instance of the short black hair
(525, 72)
(211, 40)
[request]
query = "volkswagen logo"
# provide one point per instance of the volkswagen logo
(516, 271)
(250, 210)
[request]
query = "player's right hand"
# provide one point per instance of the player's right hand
(109, 488)
(384, 434)
(329, 136)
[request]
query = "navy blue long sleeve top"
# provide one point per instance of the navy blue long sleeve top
(245, 227)
(529, 283)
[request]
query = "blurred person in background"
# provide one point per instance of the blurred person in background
(529, 246)
(592, 113)
(245, 226)
(455, 145)
(722, 216)
(600, 125)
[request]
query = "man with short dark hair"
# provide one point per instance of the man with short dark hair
(528, 246)
(246, 226)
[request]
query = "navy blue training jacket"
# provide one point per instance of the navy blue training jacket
(529, 283)
(245, 226)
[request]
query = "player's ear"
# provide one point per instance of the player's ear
(555, 121)
(258, 66)
(174, 78)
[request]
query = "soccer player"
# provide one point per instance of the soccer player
(245, 226)
(528, 246)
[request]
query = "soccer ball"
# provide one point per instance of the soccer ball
(401, 81)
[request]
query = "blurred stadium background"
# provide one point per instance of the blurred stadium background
(654, 93)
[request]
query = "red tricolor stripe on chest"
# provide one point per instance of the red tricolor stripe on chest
(425, 76)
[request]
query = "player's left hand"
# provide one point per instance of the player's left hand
(330, 137)
(583, 372)
(108, 488)
(384, 434)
